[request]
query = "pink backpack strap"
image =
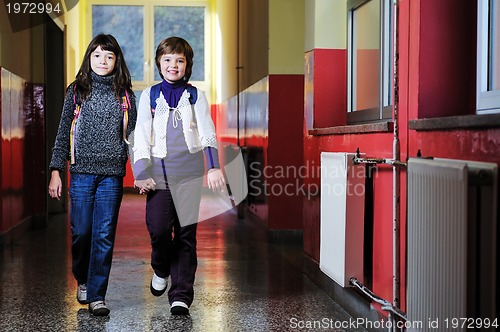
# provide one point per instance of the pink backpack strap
(125, 107)
(72, 132)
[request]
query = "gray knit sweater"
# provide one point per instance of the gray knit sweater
(99, 145)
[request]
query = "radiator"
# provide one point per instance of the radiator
(342, 217)
(451, 241)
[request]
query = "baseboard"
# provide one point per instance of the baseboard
(356, 305)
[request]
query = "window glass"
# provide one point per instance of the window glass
(366, 56)
(186, 22)
(488, 61)
(494, 44)
(126, 24)
(369, 54)
(139, 27)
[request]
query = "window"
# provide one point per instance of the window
(189, 24)
(369, 54)
(126, 24)
(139, 28)
(488, 57)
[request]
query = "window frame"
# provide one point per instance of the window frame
(487, 101)
(381, 113)
(148, 38)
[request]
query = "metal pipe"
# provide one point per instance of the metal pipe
(359, 160)
(395, 162)
(385, 305)
(238, 68)
(396, 170)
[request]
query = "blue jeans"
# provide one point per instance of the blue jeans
(95, 203)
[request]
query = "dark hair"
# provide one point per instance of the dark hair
(175, 45)
(121, 79)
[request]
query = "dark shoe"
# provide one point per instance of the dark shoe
(81, 294)
(98, 308)
(158, 285)
(179, 308)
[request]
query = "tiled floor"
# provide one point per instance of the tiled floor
(243, 283)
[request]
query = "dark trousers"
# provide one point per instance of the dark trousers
(171, 219)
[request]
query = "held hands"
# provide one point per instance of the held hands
(145, 185)
(215, 179)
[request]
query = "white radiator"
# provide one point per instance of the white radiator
(342, 217)
(451, 241)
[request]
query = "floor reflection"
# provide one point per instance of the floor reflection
(243, 282)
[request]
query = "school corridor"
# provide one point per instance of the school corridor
(244, 282)
(369, 132)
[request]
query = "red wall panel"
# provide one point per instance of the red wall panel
(329, 87)
(286, 123)
(12, 149)
(447, 58)
(23, 164)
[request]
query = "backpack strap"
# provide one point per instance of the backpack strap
(125, 107)
(154, 93)
(72, 131)
(193, 94)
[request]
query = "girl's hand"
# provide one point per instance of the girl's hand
(215, 179)
(55, 185)
(145, 185)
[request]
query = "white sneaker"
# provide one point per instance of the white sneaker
(179, 308)
(98, 308)
(158, 285)
(81, 294)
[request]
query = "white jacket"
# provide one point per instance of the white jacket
(151, 132)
